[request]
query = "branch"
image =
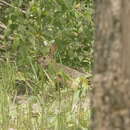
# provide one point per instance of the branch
(6, 3)
(1, 4)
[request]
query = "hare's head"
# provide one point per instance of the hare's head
(45, 61)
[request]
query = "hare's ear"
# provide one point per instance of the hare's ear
(53, 49)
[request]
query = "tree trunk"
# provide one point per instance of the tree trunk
(111, 93)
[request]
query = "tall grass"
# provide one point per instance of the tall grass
(39, 106)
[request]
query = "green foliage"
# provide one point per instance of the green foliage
(30, 28)
(68, 23)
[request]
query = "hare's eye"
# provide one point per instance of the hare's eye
(44, 58)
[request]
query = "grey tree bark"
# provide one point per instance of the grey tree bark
(111, 83)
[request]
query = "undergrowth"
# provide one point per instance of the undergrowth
(35, 104)
(29, 97)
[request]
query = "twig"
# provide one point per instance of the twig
(48, 76)
(2, 37)
(2, 25)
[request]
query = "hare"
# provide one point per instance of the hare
(45, 61)
(73, 76)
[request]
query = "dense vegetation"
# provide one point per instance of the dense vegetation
(27, 30)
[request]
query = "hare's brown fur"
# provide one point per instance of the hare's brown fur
(58, 69)
(45, 61)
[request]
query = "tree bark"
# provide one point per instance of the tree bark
(111, 92)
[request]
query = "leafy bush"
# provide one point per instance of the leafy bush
(34, 25)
